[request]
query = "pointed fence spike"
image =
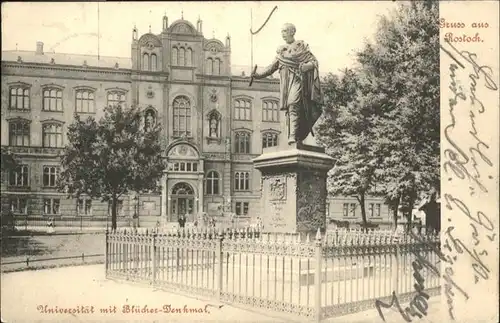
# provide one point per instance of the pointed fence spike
(318, 234)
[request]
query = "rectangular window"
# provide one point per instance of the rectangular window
(119, 208)
(241, 208)
(84, 101)
(242, 143)
(242, 181)
(19, 133)
(269, 140)
(377, 210)
(51, 206)
(19, 98)
(52, 100)
(371, 209)
(352, 211)
(19, 205)
(242, 109)
(270, 111)
(84, 207)
(115, 98)
(19, 177)
(345, 209)
(50, 175)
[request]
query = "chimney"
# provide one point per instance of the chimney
(39, 48)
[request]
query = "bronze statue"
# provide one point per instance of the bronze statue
(300, 92)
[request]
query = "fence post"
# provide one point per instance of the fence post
(220, 264)
(395, 266)
(317, 277)
(106, 255)
(153, 250)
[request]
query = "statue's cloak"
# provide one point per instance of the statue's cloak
(300, 88)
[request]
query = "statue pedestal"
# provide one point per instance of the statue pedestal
(293, 188)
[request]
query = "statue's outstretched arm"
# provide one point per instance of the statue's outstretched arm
(268, 70)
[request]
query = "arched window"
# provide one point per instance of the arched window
(216, 67)
(145, 62)
(270, 111)
(52, 135)
(242, 143)
(209, 66)
(182, 56)
(52, 99)
(175, 52)
(241, 181)
(189, 57)
(19, 133)
(182, 189)
(242, 109)
(154, 63)
(182, 117)
(212, 183)
(269, 139)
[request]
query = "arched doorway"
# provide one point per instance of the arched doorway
(182, 200)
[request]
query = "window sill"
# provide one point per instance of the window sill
(91, 113)
(246, 120)
(19, 110)
(271, 121)
(53, 111)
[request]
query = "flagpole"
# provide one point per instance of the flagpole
(251, 39)
(98, 35)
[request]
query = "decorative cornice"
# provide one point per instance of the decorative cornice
(84, 88)
(243, 96)
(270, 130)
(52, 120)
(116, 89)
(18, 118)
(242, 129)
(19, 84)
(69, 68)
(52, 85)
(270, 98)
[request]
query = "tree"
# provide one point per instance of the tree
(109, 158)
(346, 131)
(402, 68)
(8, 160)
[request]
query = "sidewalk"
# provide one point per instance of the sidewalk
(29, 296)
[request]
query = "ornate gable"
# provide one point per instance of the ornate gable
(149, 40)
(182, 27)
(182, 151)
(213, 46)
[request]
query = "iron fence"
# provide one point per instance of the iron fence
(313, 277)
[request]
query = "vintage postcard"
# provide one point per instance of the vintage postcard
(287, 161)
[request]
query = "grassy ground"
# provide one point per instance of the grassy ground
(31, 248)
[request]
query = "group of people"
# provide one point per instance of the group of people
(204, 220)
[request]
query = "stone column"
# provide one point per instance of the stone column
(163, 199)
(294, 188)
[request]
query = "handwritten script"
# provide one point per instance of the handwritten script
(468, 159)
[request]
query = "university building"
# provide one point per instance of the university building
(213, 122)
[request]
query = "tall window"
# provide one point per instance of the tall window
(19, 205)
(242, 143)
(270, 111)
(352, 209)
(19, 133)
(216, 66)
(182, 117)
(50, 175)
(85, 101)
(242, 109)
(51, 206)
(119, 208)
(374, 209)
(52, 135)
(84, 206)
(20, 176)
(189, 57)
(182, 56)
(241, 181)
(19, 98)
(269, 139)
(52, 100)
(175, 52)
(345, 209)
(145, 62)
(241, 208)
(153, 62)
(116, 98)
(212, 183)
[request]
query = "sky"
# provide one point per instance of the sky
(333, 30)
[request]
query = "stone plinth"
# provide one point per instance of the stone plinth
(294, 188)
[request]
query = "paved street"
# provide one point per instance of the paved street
(29, 296)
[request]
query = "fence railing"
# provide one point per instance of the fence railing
(313, 277)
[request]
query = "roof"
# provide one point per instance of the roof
(103, 61)
(67, 59)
